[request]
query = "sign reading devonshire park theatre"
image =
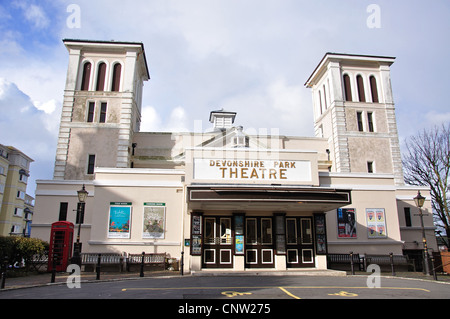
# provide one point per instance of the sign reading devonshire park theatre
(252, 170)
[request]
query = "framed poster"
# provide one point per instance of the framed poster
(196, 234)
(154, 219)
(239, 234)
(239, 244)
(196, 245)
(321, 234)
(119, 220)
(196, 225)
(346, 221)
(376, 223)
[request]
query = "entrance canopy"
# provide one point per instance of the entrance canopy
(273, 197)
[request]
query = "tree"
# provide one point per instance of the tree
(14, 249)
(427, 163)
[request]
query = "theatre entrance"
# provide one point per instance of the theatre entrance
(218, 242)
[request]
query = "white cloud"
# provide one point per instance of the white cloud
(8, 43)
(150, 120)
(277, 105)
(29, 129)
(34, 14)
(437, 118)
(177, 120)
(48, 107)
(292, 103)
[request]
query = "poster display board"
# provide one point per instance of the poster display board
(196, 235)
(320, 233)
(376, 223)
(154, 219)
(239, 234)
(119, 220)
(346, 222)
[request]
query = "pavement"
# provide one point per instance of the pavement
(44, 279)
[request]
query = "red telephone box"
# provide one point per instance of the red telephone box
(60, 249)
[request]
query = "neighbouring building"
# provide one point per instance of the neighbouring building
(16, 206)
(228, 198)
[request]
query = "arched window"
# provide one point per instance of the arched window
(347, 88)
(373, 89)
(101, 73)
(116, 77)
(361, 94)
(86, 76)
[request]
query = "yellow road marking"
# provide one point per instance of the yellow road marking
(198, 288)
(289, 294)
(281, 288)
(232, 294)
(337, 287)
(344, 294)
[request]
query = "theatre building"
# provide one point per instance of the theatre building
(231, 197)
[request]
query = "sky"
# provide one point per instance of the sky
(248, 56)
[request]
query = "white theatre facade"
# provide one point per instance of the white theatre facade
(225, 198)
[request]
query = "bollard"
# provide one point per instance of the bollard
(2, 286)
(4, 266)
(391, 256)
(352, 266)
(53, 279)
(142, 265)
(433, 269)
(97, 269)
(182, 263)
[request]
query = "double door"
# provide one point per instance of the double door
(218, 243)
(259, 242)
(299, 242)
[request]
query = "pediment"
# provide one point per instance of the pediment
(234, 137)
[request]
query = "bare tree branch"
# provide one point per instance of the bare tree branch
(427, 163)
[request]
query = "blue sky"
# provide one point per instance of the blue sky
(248, 56)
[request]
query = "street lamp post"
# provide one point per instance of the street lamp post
(420, 200)
(82, 194)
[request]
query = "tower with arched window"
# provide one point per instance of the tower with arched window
(101, 108)
(354, 110)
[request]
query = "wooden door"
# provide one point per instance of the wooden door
(299, 242)
(259, 242)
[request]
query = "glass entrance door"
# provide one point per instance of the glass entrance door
(299, 242)
(259, 242)
(217, 238)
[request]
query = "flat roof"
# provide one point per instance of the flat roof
(348, 56)
(113, 42)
